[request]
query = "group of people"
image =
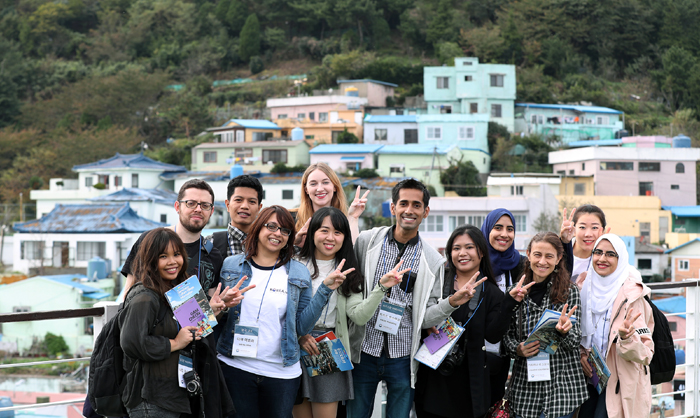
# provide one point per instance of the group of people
(276, 278)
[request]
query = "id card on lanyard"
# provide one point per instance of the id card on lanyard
(538, 367)
(391, 311)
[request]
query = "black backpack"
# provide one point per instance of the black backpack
(106, 377)
(663, 364)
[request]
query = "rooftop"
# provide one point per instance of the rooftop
(248, 124)
(367, 80)
(74, 280)
(624, 154)
(345, 149)
(683, 245)
(596, 143)
(416, 149)
(673, 304)
(83, 219)
(683, 211)
(129, 194)
(255, 144)
(575, 108)
(391, 119)
(138, 161)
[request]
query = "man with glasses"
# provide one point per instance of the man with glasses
(194, 205)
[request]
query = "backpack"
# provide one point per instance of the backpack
(663, 365)
(106, 376)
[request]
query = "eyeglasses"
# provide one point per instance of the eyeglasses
(191, 204)
(274, 227)
(608, 254)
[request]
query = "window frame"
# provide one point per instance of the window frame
(378, 136)
(463, 133)
(616, 166)
(681, 263)
(206, 156)
(496, 110)
(442, 82)
(495, 78)
(266, 153)
(436, 133)
(647, 166)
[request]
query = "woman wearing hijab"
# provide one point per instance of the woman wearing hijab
(617, 320)
(507, 265)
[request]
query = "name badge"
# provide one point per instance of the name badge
(184, 365)
(538, 368)
(389, 317)
(245, 342)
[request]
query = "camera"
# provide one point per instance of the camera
(192, 383)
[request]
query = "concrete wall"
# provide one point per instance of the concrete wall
(395, 132)
(298, 154)
(450, 126)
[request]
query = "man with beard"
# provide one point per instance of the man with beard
(194, 205)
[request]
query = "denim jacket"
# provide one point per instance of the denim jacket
(302, 310)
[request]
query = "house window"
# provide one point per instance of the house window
(645, 230)
(134, 180)
(579, 189)
(20, 309)
(31, 250)
(210, 157)
(397, 169)
(455, 221)
(466, 63)
(467, 78)
(308, 137)
(434, 132)
(104, 179)
(583, 166)
(227, 137)
(88, 250)
(287, 194)
(323, 116)
(242, 154)
(473, 107)
(352, 166)
(683, 265)
(443, 82)
(88, 181)
(312, 115)
(301, 116)
(616, 165)
(602, 120)
(118, 181)
(380, 134)
(410, 136)
(537, 119)
(163, 218)
(646, 188)
(643, 263)
(649, 166)
(495, 111)
(445, 109)
(261, 136)
(680, 168)
(672, 326)
(571, 172)
(466, 133)
(274, 156)
(282, 116)
(516, 190)
(520, 223)
(496, 80)
(433, 223)
(675, 187)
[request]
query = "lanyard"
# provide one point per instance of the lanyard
(481, 299)
(265, 290)
(199, 259)
(413, 264)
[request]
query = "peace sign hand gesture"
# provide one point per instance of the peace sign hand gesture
(519, 291)
(358, 204)
(465, 294)
(393, 277)
(337, 277)
(581, 279)
(564, 324)
(567, 227)
(234, 295)
(627, 329)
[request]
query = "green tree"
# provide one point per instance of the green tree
(55, 344)
(235, 17)
(346, 137)
(250, 38)
(9, 102)
(672, 81)
(440, 28)
(463, 178)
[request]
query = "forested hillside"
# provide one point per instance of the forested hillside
(82, 79)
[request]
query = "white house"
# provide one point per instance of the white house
(522, 184)
(154, 204)
(391, 129)
(650, 259)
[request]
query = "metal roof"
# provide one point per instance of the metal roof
(575, 108)
(345, 149)
(129, 161)
(682, 245)
(251, 124)
(674, 304)
(595, 143)
(85, 219)
(368, 80)
(128, 194)
(254, 144)
(391, 119)
(416, 149)
(683, 211)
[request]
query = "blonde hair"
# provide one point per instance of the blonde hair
(306, 208)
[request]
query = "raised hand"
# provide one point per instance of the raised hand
(358, 204)
(527, 350)
(564, 324)
(337, 277)
(393, 277)
(519, 291)
(300, 237)
(465, 294)
(567, 227)
(308, 344)
(627, 329)
(581, 279)
(234, 295)
(217, 305)
(608, 230)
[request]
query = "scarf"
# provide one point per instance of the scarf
(500, 261)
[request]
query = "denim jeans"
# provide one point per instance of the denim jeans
(256, 396)
(594, 407)
(367, 375)
(149, 410)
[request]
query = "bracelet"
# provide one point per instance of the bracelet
(381, 286)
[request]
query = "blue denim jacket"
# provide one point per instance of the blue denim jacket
(302, 310)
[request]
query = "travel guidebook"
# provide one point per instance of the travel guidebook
(447, 331)
(601, 373)
(434, 359)
(545, 331)
(191, 307)
(333, 357)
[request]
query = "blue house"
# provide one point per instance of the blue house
(344, 157)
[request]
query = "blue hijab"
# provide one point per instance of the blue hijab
(500, 261)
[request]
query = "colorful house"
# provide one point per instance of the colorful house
(568, 122)
(684, 219)
(345, 157)
(260, 156)
(685, 261)
(391, 129)
(246, 130)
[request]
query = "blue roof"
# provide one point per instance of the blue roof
(595, 143)
(681, 246)
(474, 149)
(128, 194)
(83, 218)
(87, 291)
(367, 80)
(575, 108)
(345, 149)
(253, 124)
(391, 119)
(673, 304)
(416, 149)
(130, 161)
(683, 211)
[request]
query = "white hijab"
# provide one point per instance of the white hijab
(599, 293)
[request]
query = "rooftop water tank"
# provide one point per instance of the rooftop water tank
(681, 141)
(96, 269)
(236, 170)
(6, 402)
(352, 91)
(297, 134)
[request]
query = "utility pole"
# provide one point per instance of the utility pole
(21, 212)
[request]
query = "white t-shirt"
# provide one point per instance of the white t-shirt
(273, 313)
(325, 268)
(602, 332)
(580, 265)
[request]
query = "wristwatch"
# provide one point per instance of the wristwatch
(381, 286)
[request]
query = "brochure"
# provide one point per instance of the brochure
(601, 373)
(191, 307)
(447, 331)
(433, 360)
(545, 331)
(333, 357)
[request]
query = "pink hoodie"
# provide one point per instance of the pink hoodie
(628, 393)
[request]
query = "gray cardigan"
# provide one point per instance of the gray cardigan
(429, 308)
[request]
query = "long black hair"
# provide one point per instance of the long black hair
(480, 242)
(155, 243)
(354, 281)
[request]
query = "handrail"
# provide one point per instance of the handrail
(42, 315)
(674, 285)
(36, 363)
